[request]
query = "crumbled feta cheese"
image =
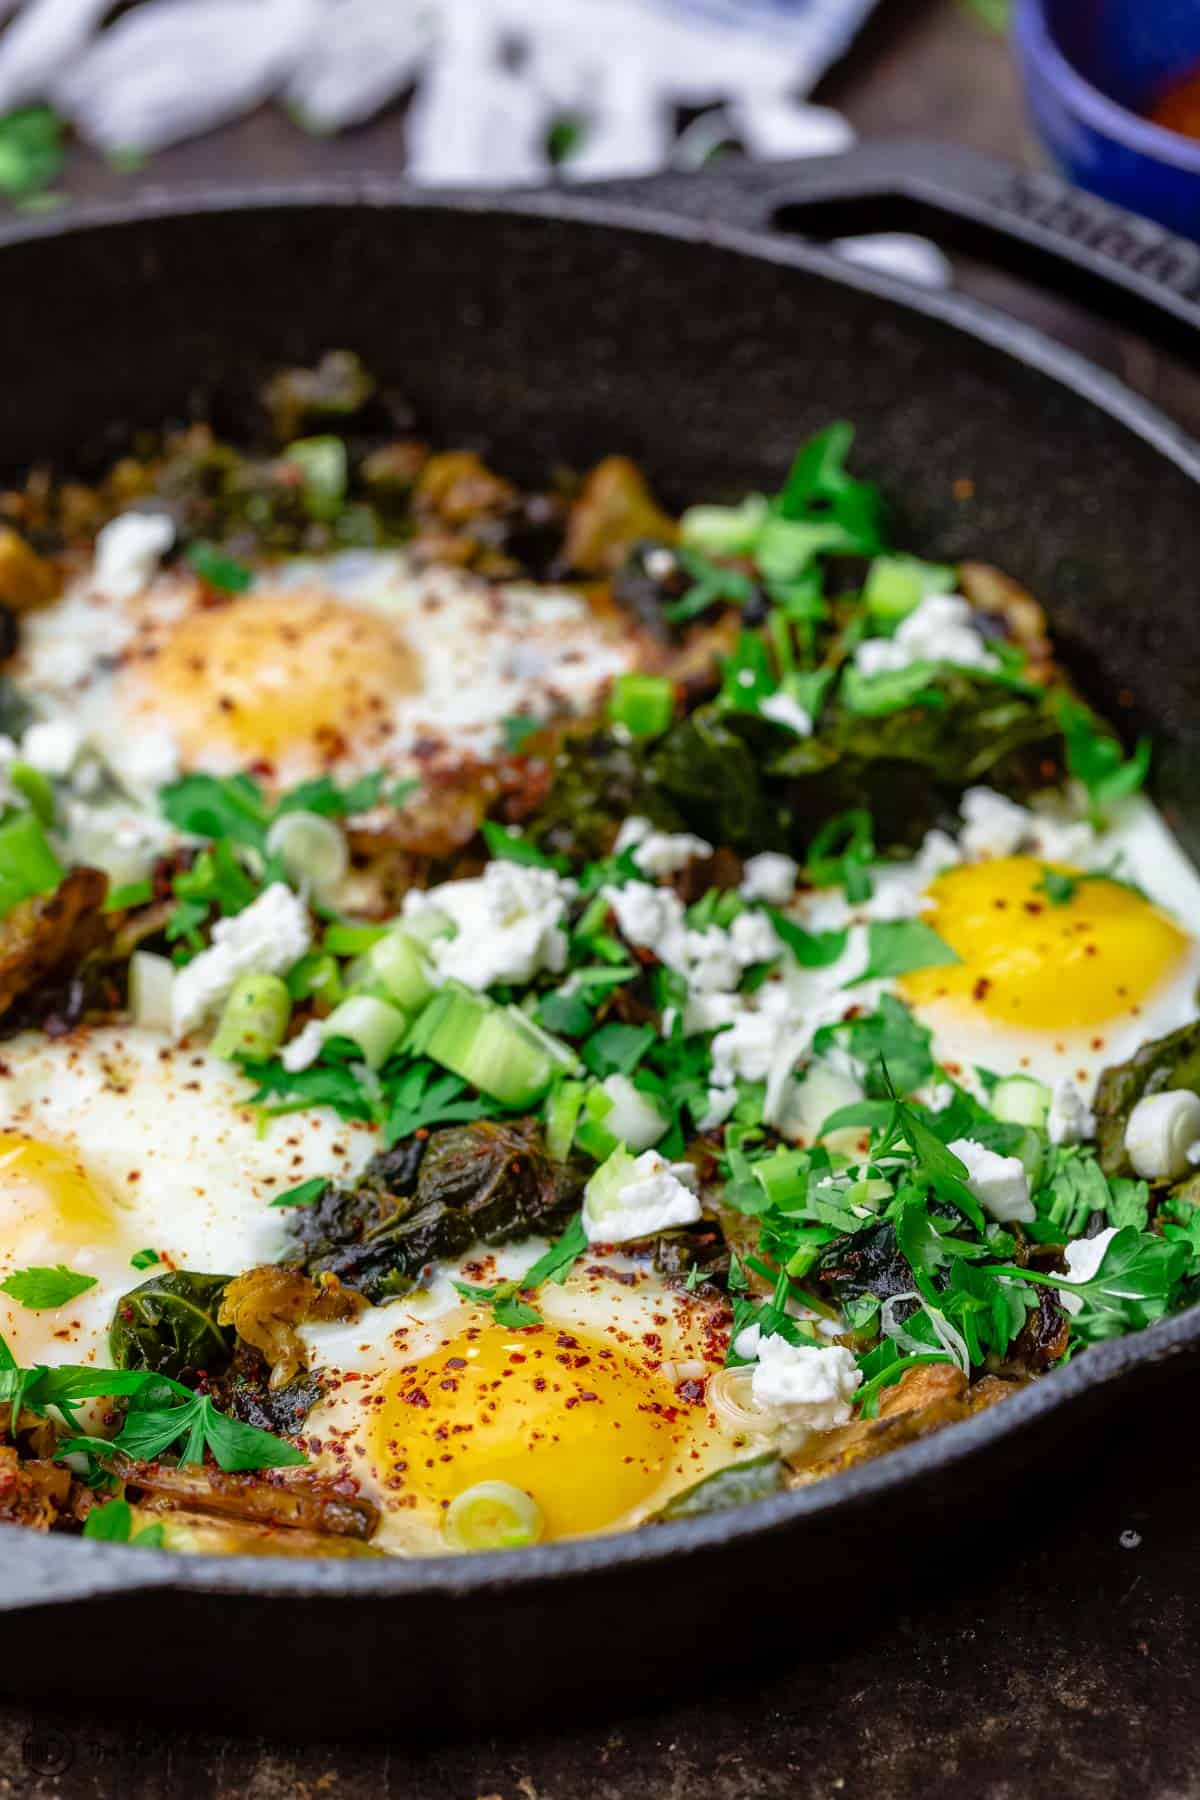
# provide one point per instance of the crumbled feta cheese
(999, 1183)
(992, 825)
(660, 563)
(304, 1048)
(782, 709)
(770, 877)
(1083, 1259)
(1059, 840)
(711, 963)
(122, 839)
(897, 895)
(129, 550)
(1069, 1120)
(811, 1385)
(651, 918)
(655, 1197)
(266, 939)
(1161, 1130)
(659, 852)
(938, 630)
(746, 1343)
(938, 851)
(508, 921)
(753, 939)
(721, 1102)
(52, 746)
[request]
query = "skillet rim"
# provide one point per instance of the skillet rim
(64, 1569)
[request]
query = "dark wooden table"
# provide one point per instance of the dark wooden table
(1058, 1658)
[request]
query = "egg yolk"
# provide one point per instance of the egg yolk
(277, 672)
(572, 1420)
(1027, 961)
(43, 1186)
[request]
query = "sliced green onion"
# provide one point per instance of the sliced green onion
(254, 1019)
(352, 940)
(783, 1176)
(395, 969)
(724, 530)
(151, 979)
(786, 547)
(325, 467)
(427, 925)
(809, 1245)
(643, 704)
(489, 1047)
(1020, 1100)
(134, 893)
(36, 787)
(28, 865)
(896, 585)
(632, 1116)
(493, 1515)
(870, 1193)
(602, 1195)
(372, 1024)
(562, 1114)
(311, 848)
(317, 976)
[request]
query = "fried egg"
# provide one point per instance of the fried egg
(1051, 987)
(598, 1413)
(346, 664)
(113, 1143)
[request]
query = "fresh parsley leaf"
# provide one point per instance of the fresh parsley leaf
(323, 795)
(148, 1434)
(220, 570)
(112, 1523)
(1132, 1287)
(508, 846)
(214, 807)
(423, 1096)
(875, 696)
(811, 949)
(617, 1049)
(558, 1261)
(144, 1259)
(841, 852)
(44, 1290)
(567, 1014)
(890, 1036)
(517, 729)
(507, 1308)
(305, 1193)
(896, 946)
(712, 583)
(1058, 887)
(1095, 758)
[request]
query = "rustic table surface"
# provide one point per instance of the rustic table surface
(1059, 1658)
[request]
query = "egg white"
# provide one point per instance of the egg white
(470, 653)
(175, 1163)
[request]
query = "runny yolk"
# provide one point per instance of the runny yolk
(50, 1213)
(1026, 961)
(569, 1418)
(274, 673)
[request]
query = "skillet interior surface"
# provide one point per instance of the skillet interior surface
(544, 334)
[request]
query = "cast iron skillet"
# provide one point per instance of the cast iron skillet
(676, 321)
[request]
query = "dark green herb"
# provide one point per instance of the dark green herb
(44, 1290)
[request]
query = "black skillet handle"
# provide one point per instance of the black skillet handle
(1029, 222)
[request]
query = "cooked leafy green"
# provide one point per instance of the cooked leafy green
(169, 1325)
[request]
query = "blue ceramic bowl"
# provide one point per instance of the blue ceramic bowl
(1090, 68)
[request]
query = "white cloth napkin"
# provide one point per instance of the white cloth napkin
(504, 90)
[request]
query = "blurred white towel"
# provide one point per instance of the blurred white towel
(495, 80)
(492, 75)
